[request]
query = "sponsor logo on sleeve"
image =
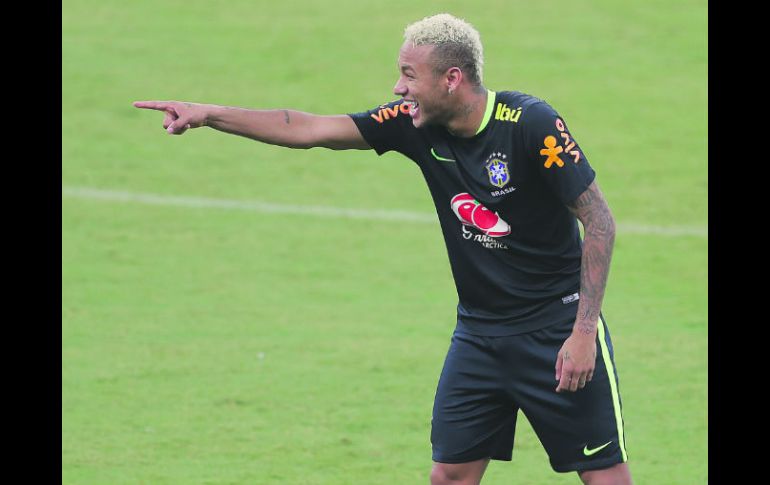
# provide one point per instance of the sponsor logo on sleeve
(386, 113)
(552, 151)
(569, 143)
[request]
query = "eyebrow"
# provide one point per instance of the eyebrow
(407, 67)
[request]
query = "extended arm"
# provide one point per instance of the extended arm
(576, 360)
(293, 129)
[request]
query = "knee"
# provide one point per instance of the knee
(614, 475)
(440, 476)
(469, 473)
(443, 475)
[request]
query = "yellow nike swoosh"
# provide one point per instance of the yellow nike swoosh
(588, 452)
(442, 159)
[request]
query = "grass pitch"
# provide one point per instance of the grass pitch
(206, 346)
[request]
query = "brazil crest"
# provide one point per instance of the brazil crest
(497, 169)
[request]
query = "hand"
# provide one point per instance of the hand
(575, 362)
(179, 116)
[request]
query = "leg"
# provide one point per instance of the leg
(580, 430)
(458, 473)
(614, 475)
(473, 420)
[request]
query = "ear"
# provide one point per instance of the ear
(454, 76)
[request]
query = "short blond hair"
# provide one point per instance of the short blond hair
(458, 43)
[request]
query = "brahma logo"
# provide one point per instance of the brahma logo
(472, 213)
(385, 113)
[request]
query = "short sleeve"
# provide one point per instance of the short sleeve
(385, 127)
(560, 160)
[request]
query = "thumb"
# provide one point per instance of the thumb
(559, 363)
(178, 126)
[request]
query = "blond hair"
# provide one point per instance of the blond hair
(457, 42)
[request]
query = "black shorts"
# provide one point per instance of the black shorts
(486, 380)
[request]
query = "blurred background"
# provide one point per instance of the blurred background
(217, 327)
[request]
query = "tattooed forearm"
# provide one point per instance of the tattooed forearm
(593, 212)
(286, 117)
(585, 200)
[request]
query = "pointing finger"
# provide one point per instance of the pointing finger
(158, 105)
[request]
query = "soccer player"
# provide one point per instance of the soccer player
(509, 182)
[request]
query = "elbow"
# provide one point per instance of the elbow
(610, 230)
(608, 227)
(611, 226)
(602, 227)
(611, 234)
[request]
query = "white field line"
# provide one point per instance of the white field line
(90, 193)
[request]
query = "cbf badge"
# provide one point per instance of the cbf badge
(497, 169)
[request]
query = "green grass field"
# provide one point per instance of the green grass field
(214, 346)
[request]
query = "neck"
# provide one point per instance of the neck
(470, 104)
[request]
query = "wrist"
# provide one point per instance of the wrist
(584, 328)
(211, 114)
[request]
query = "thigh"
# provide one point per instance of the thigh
(580, 430)
(472, 416)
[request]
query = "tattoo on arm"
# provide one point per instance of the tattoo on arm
(584, 200)
(593, 212)
(286, 116)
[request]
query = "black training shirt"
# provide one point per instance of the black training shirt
(500, 196)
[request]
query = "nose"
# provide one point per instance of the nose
(400, 88)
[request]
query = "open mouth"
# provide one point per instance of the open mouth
(414, 107)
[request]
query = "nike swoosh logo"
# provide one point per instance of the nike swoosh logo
(441, 159)
(588, 452)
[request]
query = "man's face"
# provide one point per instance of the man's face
(419, 86)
